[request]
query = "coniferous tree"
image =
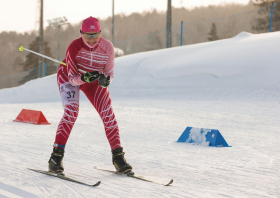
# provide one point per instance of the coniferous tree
(262, 22)
(213, 33)
(153, 42)
(177, 39)
(130, 27)
(32, 60)
(10, 43)
(18, 61)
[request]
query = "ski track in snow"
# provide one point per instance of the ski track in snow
(231, 85)
(149, 129)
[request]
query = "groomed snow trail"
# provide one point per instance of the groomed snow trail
(149, 129)
(231, 85)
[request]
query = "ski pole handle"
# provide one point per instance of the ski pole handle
(52, 59)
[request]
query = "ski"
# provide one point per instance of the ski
(131, 174)
(62, 176)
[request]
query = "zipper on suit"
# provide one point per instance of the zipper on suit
(91, 58)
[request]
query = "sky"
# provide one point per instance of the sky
(23, 15)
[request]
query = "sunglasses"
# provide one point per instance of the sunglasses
(88, 36)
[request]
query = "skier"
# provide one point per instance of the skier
(90, 68)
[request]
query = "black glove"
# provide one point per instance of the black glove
(104, 81)
(90, 76)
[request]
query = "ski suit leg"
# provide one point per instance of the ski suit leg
(101, 100)
(70, 101)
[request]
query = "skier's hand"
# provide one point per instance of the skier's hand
(104, 81)
(90, 76)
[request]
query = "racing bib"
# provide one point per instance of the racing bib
(69, 93)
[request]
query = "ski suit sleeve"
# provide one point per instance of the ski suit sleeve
(109, 67)
(72, 65)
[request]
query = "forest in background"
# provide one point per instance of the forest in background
(126, 27)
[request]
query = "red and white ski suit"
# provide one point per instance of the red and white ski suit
(82, 58)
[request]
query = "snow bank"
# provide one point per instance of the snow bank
(243, 67)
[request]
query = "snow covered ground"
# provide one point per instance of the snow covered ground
(231, 85)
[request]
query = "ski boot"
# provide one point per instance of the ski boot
(55, 162)
(120, 163)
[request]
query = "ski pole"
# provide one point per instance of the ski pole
(57, 61)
